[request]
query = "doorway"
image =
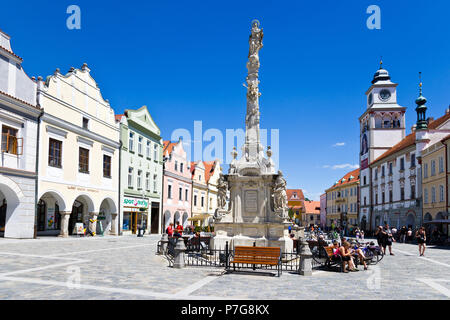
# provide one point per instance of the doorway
(154, 218)
(41, 215)
(76, 216)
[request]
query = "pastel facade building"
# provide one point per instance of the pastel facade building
(79, 156)
(177, 192)
(434, 182)
(141, 172)
(205, 177)
(323, 210)
(311, 217)
(342, 201)
(19, 115)
(296, 204)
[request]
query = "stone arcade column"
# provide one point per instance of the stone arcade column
(93, 225)
(65, 216)
(114, 225)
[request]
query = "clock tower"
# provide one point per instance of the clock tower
(382, 126)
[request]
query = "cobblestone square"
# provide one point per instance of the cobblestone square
(127, 268)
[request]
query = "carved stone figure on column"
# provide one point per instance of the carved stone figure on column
(280, 196)
(222, 188)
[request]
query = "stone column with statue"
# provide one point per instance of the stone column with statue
(256, 211)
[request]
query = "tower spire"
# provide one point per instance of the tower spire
(421, 108)
(381, 62)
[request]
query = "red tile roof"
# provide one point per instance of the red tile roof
(312, 207)
(209, 169)
(410, 139)
(118, 117)
(168, 147)
(354, 173)
(299, 193)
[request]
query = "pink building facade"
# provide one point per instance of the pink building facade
(323, 210)
(177, 187)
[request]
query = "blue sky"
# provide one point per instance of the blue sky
(186, 61)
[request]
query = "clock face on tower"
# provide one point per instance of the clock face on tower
(385, 95)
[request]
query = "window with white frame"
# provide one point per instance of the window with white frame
(139, 179)
(155, 183)
(155, 152)
(433, 167)
(130, 177)
(176, 165)
(441, 193)
(147, 181)
(425, 195)
(131, 141)
(148, 149)
(425, 170)
(441, 164)
(140, 140)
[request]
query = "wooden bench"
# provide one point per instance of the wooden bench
(332, 259)
(270, 256)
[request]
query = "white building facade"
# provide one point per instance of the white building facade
(19, 124)
(79, 157)
(382, 126)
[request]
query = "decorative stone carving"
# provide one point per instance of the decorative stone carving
(279, 192)
(222, 188)
(257, 208)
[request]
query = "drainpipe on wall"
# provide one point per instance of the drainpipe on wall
(163, 230)
(37, 176)
(120, 190)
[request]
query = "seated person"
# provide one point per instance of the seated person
(360, 254)
(346, 253)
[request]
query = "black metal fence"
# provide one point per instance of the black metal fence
(199, 254)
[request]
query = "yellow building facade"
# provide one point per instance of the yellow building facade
(342, 201)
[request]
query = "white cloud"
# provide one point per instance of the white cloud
(339, 144)
(341, 166)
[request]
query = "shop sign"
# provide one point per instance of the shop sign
(80, 228)
(134, 202)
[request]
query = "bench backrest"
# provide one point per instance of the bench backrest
(269, 253)
(329, 251)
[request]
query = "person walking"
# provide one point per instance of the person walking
(421, 240)
(409, 234)
(403, 232)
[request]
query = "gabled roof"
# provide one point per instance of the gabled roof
(312, 207)
(350, 177)
(209, 169)
(168, 147)
(299, 192)
(410, 139)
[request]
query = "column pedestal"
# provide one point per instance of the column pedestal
(65, 216)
